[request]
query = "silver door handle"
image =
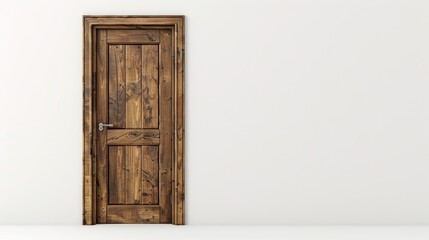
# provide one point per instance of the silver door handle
(102, 125)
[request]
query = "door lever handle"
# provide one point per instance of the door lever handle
(102, 125)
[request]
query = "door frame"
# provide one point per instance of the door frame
(90, 25)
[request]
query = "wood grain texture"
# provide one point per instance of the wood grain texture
(133, 177)
(133, 87)
(179, 119)
(150, 174)
(133, 36)
(165, 75)
(176, 23)
(88, 211)
(117, 175)
(132, 27)
(133, 137)
(150, 85)
(133, 214)
(117, 85)
(94, 126)
(133, 21)
(122, 95)
(102, 151)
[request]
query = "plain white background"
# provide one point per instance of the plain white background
(210, 232)
(298, 112)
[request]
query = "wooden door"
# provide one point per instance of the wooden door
(134, 121)
(133, 85)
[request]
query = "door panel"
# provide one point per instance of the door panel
(133, 175)
(134, 155)
(133, 86)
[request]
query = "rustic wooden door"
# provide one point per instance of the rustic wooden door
(134, 125)
(133, 119)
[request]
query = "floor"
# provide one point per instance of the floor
(166, 232)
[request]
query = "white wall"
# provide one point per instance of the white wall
(298, 112)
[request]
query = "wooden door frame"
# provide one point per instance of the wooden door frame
(90, 25)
